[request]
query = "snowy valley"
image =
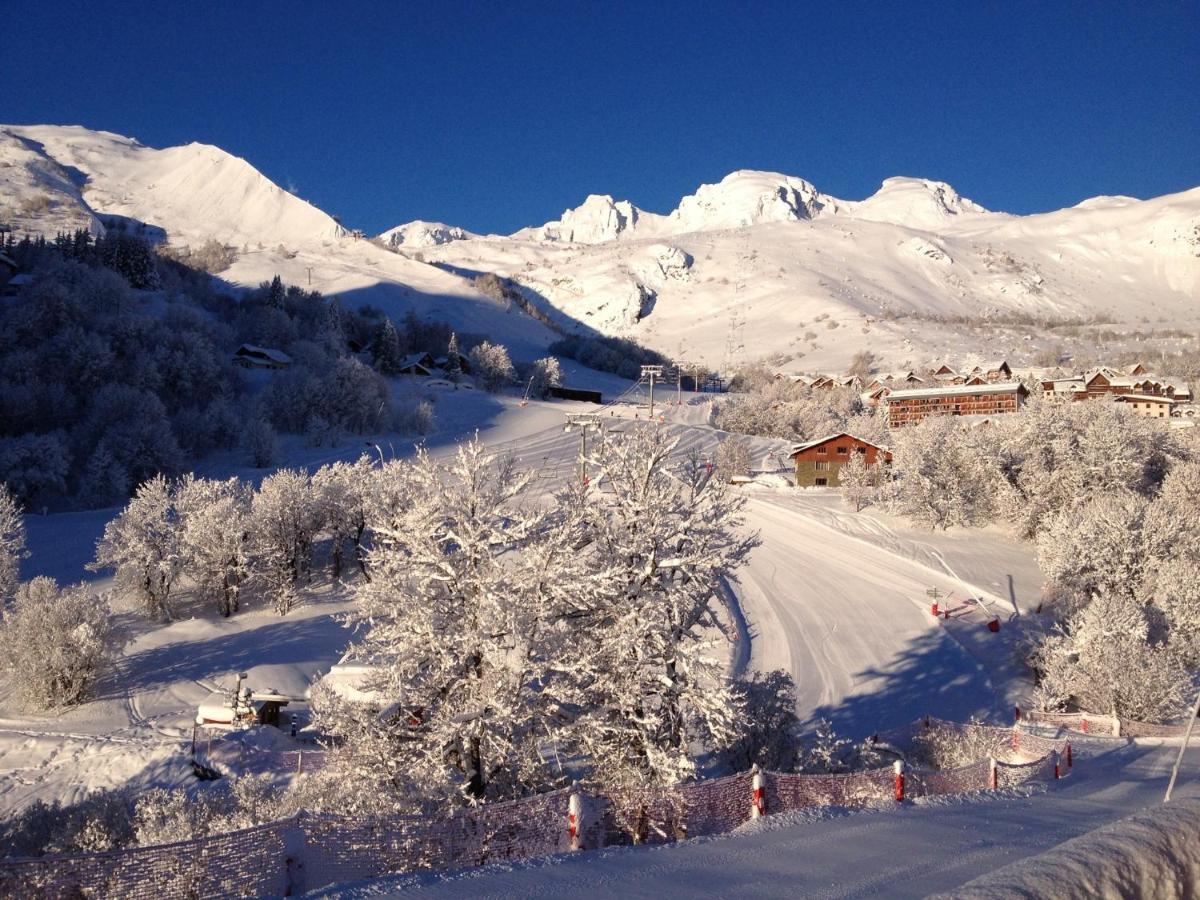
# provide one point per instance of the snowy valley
(465, 579)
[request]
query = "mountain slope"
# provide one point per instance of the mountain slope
(71, 177)
(765, 265)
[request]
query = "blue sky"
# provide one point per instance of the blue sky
(497, 115)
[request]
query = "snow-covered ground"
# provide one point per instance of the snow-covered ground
(920, 849)
(834, 597)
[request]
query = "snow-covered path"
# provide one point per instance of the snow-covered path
(911, 852)
(850, 621)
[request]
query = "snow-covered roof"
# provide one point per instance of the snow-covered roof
(415, 359)
(1004, 387)
(800, 448)
(265, 352)
(1125, 398)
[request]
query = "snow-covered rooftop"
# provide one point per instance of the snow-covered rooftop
(1004, 387)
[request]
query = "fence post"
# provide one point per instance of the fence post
(299, 762)
(1083, 725)
(575, 820)
(898, 769)
(1057, 767)
(993, 773)
(1069, 763)
(758, 799)
(1116, 726)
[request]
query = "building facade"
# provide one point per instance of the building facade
(910, 407)
(818, 463)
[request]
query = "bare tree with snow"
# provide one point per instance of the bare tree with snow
(285, 518)
(655, 685)
(55, 643)
(12, 543)
(214, 521)
(142, 546)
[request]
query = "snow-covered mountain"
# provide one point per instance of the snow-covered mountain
(758, 265)
(417, 234)
(766, 265)
(58, 178)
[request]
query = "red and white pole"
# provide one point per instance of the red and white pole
(574, 820)
(993, 773)
(1083, 724)
(1069, 761)
(758, 796)
(1057, 766)
(898, 770)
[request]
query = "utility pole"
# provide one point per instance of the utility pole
(310, 276)
(652, 372)
(583, 421)
(1178, 759)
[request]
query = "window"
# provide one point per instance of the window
(821, 451)
(821, 482)
(861, 450)
(842, 451)
(821, 465)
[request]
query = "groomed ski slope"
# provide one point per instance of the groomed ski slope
(917, 850)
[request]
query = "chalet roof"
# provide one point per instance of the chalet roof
(264, 353)
(1112, 378)
(800, 448)
(1005, 387)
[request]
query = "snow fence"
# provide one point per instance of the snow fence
(310, 851)
(1102, 725)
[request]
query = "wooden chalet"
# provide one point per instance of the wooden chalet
(416, 364)
(248, 356)
(819, 462)
(909, 407)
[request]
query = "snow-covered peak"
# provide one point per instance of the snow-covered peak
(598, 219)
(747, 197)
(418, 234)
(1115, 201)
(193, 192)
(915, 202)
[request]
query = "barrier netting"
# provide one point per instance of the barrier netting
(1102, 725)
(310, 851)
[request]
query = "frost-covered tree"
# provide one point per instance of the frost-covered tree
(454, 368)
(491, 366)
(214, 537)
(342, 490)
(1096, 546)
(284, 519)
(943, 480)
(733, 459)
(12, 544)
(767, 738)
(653, 687)
(464, 607)
(857, 481)
(260, 443)
(545, 374)
(142, 546)
(1102, 660)
(55, 643)
(386, 348)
